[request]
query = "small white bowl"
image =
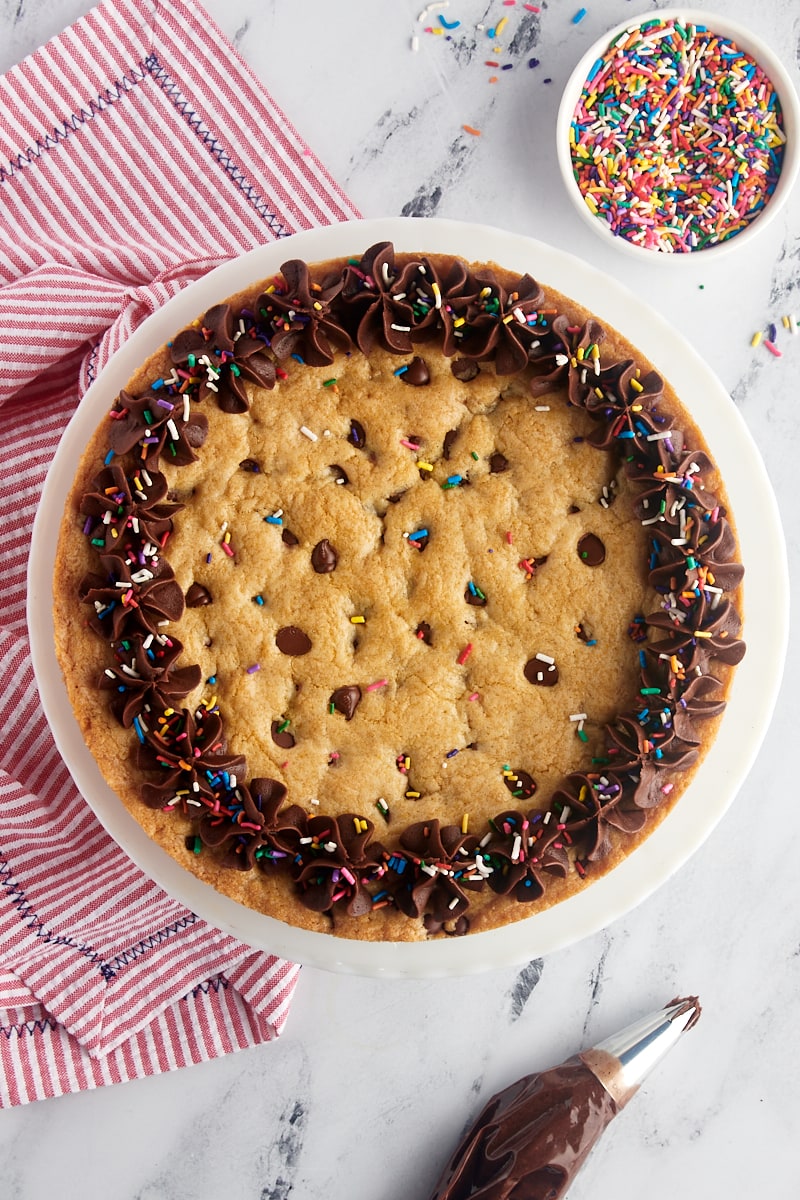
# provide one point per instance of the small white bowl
(750, 45)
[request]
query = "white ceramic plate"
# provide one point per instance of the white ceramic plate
(756, 682)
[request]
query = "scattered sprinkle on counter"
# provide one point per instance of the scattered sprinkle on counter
(429, 8)
(677, 139)
(768, 338)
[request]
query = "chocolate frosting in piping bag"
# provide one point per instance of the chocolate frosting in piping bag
(532, 1138)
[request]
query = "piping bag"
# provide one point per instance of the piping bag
(532, 1138)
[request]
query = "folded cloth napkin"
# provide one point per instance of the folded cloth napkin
(137, 150)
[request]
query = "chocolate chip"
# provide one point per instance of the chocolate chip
(195, 431)
(417, 374)
(530, 564)
(573, 508)
(457, 928)
(397, 496)
(324, 558)
(198, 596)
(281, 737)
(476, 598)
(423, 632)
(339, 473)
(447, 445)
(521, 784)
(291, 640)
(346, 700)
(591, 550)
(249, 464)
(541, 673)
(289, 539)
(357, 436)
(464, 369)
(498, 463)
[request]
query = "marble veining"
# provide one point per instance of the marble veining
(523, 987)
(597, 982)
(373, 1081)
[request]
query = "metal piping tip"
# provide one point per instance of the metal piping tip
(624, 1060)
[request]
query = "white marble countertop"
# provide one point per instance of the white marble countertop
(373, 1080)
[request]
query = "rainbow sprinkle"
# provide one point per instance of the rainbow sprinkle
(677, 138)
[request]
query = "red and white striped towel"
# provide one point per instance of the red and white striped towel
(137, 150)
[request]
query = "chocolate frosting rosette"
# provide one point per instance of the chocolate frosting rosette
(435, 873)
(220, 356)
(619, 397)
(124, 509)
(493, 322)
(700, 557)
(592, 804)
(333, 859)
(431, 295)
(145, 676)
(565, 357)
(698, 701)
(254, 826)
(697, 633)
(631, 423)
(689, 702)
(245, 824)
(234, 829)
(298, 318)
(131, 598)
(394, 306)
(187, 751)
(677, 477)
(376, 301)
(157, 424)
(521, 853)
(648, 752)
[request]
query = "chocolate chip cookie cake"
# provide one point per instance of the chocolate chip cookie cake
(396, 598)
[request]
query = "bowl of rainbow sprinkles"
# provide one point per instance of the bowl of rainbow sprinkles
(677, 133)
